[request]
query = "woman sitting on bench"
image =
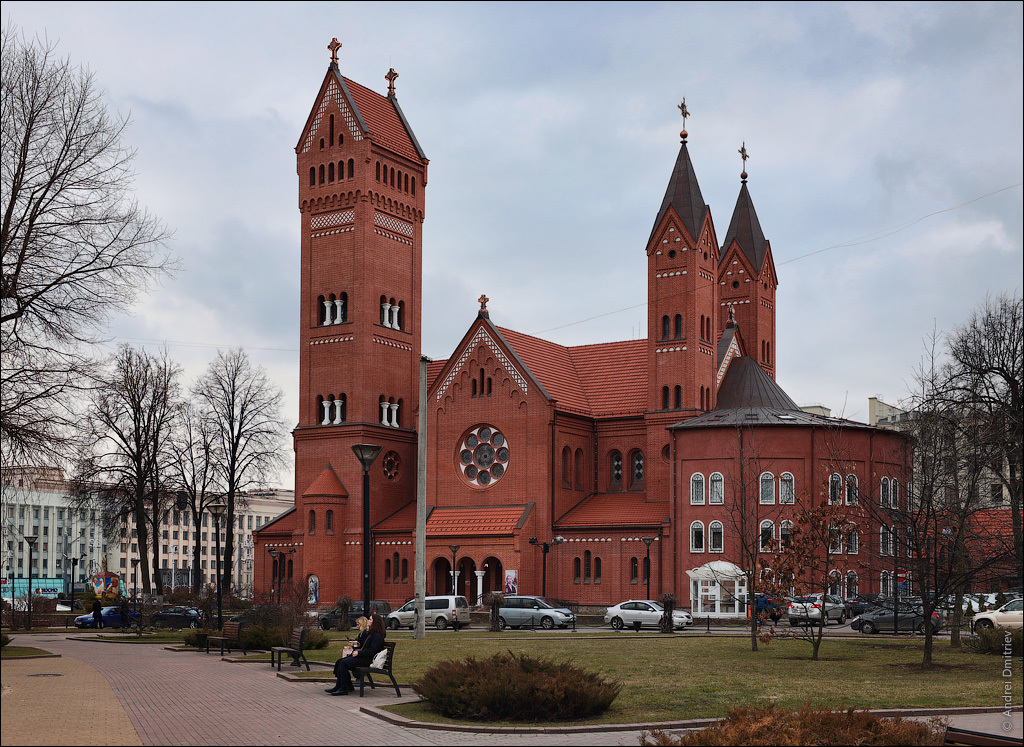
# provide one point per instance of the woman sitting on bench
(368, 644)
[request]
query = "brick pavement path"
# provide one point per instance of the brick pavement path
(197, 699)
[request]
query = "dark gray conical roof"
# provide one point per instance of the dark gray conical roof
(683, 194)
(746, 230)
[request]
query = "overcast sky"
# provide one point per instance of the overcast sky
(884, 139)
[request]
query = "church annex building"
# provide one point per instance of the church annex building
(551, 469)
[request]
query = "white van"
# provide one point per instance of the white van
(439, 612)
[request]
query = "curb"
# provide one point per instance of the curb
(33, 656)
(700, 723)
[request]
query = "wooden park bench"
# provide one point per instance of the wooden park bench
(230, 635)
(294, 649)
(365, 672)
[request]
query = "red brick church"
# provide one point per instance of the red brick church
(551, 468)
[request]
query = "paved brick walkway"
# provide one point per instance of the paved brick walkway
(144, 694)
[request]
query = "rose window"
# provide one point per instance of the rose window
(392, 465)
(483, 456)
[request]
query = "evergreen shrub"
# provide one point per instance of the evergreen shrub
(506, 687)
(993, 641)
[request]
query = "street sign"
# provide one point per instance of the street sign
(901, 575)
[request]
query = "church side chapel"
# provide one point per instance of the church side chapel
(591, 473)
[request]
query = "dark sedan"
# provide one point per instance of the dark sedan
(176, 617)
(333, 618)
(911, 619)
(111, 619)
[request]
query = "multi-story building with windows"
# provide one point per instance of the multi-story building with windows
(71, 543)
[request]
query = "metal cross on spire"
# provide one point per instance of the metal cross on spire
(483, 302)
(334, 46)
(686, 113)
(390, 78)
(743, 154)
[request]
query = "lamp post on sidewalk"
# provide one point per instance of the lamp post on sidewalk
(31, 540)
(545, 547)
(218, 509)
(647, 561)
(366, 454)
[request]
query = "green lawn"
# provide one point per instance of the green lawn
(18, 652)
(682, 677)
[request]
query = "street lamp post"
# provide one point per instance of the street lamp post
(31, 540)
(647, 541)
(74, 564)
(366, 454)
(545, 547)
(274, 573)
(454, 549)
(135, 581)
(218, 509)
(895, 574)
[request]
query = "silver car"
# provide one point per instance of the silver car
(519, 611)
(439, 611)
(807, 610)
(646, 612)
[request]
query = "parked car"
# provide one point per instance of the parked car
(1010, 615)
(439, 611)
(807, 610)
(269, 615)
(911, 618)
(332, 619)
(518, 611)
(860, 604)
(645, 612)
(176, 617)
(111, 619)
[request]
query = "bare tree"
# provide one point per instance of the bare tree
(131, 411)
(987, 369)
(75, 246)
(194, 474)
(244, 407)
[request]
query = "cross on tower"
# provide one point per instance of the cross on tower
(743, 154)
(334, 46)
(483, 302)
(390, 78)
(684, 111)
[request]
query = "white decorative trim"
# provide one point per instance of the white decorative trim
(333, 93)
(391, 223)
(332, 339)
(731, 352)
(318, 234)
(391, 236)
(670, 350)
(482, 336)
(392, 344)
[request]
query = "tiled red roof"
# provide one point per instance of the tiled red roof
(601, 380)
(477, 520)
(383, 121)
(326, 483)
(403, 520)
(622, 509)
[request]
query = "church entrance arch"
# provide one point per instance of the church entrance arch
(466, 580)
(441, 578)
(493, 577)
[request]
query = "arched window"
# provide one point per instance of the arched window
(702, 327)
(767, 493)
(392, 177)
(578, 469)
(852, 494)
(835, 489)
(387, 570)
(321, 143)
(852, 587)
(586, 567)
(312, 522)
(835, 583)
(678, 399)
(787, 488)
(405, 570)
(291, 569)
(884, 492)
(716, 539)
(894, 498)
(664, 398)
(634, 572)
(697, 489)
(576, 570)
(330, 171)
(615, 476)
(835, 540)
(597, 570)
(378, 171)
(332, 130)
(321, 173)
(399, 178)
(341, 171)
(697, 537)
(884, 587)
(413, 190)
(785, 534)
(647, 570)
(717, 493)
(329, 522)
(767, 535)
(852, 542)
(566, 456)
(679, 326)
(884, 540)
(636, 470)
(665, 328)
(395, 566)
(312, 176)
(351, 168)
